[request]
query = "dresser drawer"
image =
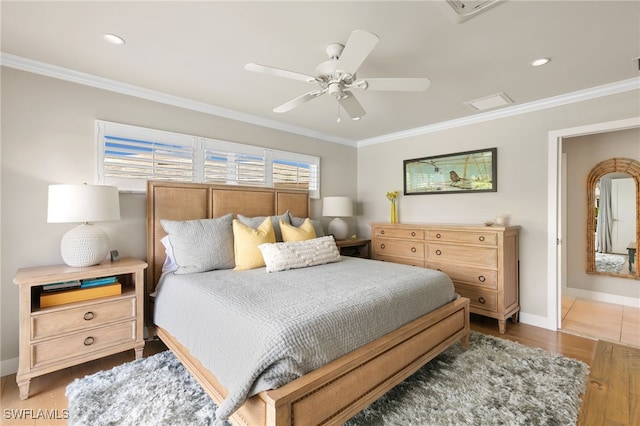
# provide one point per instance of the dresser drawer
(388, 247)
(480, 256)
(471, 237)
(482, 278)
(395, 232)
(82, 343)
(484, 300)
(48, 324)
(404, 260)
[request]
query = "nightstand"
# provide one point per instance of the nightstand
(354, 248)
(67, 334)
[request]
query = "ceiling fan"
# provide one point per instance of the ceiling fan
(337, 76)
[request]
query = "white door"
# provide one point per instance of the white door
(623, 206)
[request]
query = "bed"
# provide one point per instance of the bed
(332, 392)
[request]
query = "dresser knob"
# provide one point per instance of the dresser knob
(382, 246)
(382, 232)
(89, 316)
(438, 236)
(413, 234)
(438, 252)
(413, 249)
(481, 238)
(481, 278)
(481, 300)
(89, 341)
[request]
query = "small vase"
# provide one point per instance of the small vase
(394, 212)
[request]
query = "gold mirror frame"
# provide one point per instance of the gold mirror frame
(624, 165)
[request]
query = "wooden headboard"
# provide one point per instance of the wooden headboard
(187, 201)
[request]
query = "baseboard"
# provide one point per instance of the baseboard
(9, 366)
(601, 297)
(535, 320)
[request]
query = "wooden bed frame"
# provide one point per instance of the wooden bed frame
(330, 394)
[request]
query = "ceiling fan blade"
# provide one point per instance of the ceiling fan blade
(395, 84)
(358, 47)
(279, 72)
(351, 105)
(288, 106)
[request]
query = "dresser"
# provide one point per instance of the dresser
(482, 261)
(70, 333)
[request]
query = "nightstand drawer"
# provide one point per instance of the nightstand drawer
(413, 249)
(81, 343)
(51, 323)
(483, 238)
(477, 277)
(480, 256)
(484, 300)
(396, 232)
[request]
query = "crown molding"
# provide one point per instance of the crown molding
(53, 71)
(565, 99)
(73, 76)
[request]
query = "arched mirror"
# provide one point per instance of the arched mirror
(613, 225)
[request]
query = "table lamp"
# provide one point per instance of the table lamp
(86, 244)
(337, 207)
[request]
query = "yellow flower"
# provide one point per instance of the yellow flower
(393, 196)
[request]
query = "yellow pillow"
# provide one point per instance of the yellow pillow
(246, 240)
(292, 233)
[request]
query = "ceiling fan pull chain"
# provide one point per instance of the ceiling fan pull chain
(338, 120)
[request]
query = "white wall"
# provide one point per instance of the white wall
(583, 153)
(48, 137)
(522, 181)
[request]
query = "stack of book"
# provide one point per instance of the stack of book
(78, 290)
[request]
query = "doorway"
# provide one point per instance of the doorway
(556, 264)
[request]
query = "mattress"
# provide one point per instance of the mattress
(256, 330)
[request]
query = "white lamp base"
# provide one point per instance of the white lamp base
(84, 245)
(338, 228)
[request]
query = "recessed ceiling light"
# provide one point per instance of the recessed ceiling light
(540, 62)
(112, 38)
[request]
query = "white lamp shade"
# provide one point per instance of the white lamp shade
(83, 203)
(337, 207)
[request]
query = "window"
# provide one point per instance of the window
(128, 156)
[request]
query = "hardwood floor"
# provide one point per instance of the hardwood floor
(613, 391)
(599, 320)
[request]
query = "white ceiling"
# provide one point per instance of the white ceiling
(196, 51)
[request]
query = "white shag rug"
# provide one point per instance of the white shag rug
(495, 381)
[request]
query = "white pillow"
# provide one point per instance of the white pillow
(299, 254)
(169, 264)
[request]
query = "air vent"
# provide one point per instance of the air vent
(489, 102)
(462, 10)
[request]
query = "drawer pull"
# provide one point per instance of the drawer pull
(413, 249)
(481, 278)
(382, 246)
(438, 236)
(88, 316)
(413, 234)
(438, 252)
(482, 300)
(382, 232)
(89, 341)
(481, 237)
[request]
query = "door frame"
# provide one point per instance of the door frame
(556, 215)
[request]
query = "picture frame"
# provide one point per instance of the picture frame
(460, 172)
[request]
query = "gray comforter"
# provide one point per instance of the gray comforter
(256, 330)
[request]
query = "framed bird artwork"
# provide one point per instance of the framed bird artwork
(470, 171)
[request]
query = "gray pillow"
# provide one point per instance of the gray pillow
(201, 245)
(317, 225)
(254, 222)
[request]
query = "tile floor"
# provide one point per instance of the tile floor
(601, 320)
